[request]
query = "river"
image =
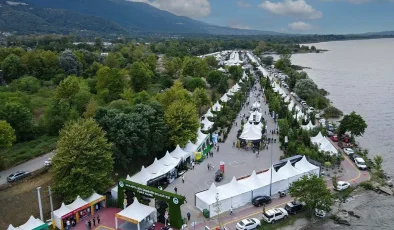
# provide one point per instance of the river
(359, 75)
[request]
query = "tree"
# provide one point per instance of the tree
(90, 109)
(194, 67)
(12, 68)
(69, 63)
(200, 98)
(7, 135)
(223, 86)
(110, 84)
(194, 83)
(20, 119)
(176, 92)
(313, 191)
(173, 66)
(211, 61)
(260, 48)
(182, 121)
(113, 60)
(235, 72)
(26, 84)
(353, 123)
(141, 76)
(151, 61)
(218, 208)
(83, 160)
(67, 88)
(268, 60)
(334, 180)
(214, 78)
(305, 88)
(378, 160)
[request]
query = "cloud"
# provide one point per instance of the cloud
(294, 8)
(300, 26)
(188, 8)
(355, 1)
(243, 4)
(238, 25)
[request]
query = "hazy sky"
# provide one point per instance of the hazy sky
(294, 16)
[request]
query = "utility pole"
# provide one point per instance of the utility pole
(39, 203)
(50, 200)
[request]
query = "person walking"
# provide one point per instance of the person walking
(217, 150)
(184, 197)
(233, 144)
(231, 210)
(176, 190)
(87, 225)
(188, 216)
(193, 165)
(208, 166)
(90, 224)
(183, 178)
(94, 221)
(68, 224)
(98, 219)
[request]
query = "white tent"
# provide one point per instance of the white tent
(327, 146)
(11, 227)
(32, 223)
(217, 106)
(291, 106)
(95, 196)
(156, 169)
(225, 98)
(256, 105)
(317, 139)
(142, 177)
(222, 70)
(62, 211)
(230, 92)
(253, 133)
(240, 195)
(308, 126)
(247, 125)
(205, 199)
(307, 168)
(190, 147)
(201, 137)
(244, 76)
(290, 172)
(169, 161)
(287, 99)
(279, 182)
(78, 203)
(136, 213)
(209, 114)
(255, 116)
(180, 154)
(299, 115)
(256, 185)
(207, 124)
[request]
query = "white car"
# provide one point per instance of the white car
(48, 162)
(342, 185)
(273, 215)
(360, 163)
(249, 223)
(311, 110)
(348, 151)
(320, 213)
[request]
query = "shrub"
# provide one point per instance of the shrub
(332, 112)
(367, 185)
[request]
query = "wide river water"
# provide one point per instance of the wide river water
(359, 75)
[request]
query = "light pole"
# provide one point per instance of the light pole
(271, 168)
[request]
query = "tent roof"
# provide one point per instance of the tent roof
(231, 189)
(225, 98)
(168, 160)
(142, 177)
(209, 196)
(309, 126)
(207, 124)
(291, 106)
(93, 197)
(209, 113)
(217, 106)
(11, 227)
(190, 147)
(136, 211)
(31, 224)
(77, 203)
(156, 169)
(304, 166)
(288, 170)
(63, 210)
(201, 135)
(179, 153)
(326, 146)
(253, 182)
(252, 133)
(266, 176)
(317, 139)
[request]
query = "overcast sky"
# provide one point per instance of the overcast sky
(292, 16)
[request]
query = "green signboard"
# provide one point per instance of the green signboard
(174, 201)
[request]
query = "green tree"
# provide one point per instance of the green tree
(211, 61)
(12, 68)
(182, 121)
(312, 190)
(214, 78)
(195, 67)
(235, 72)
(90, 109)
(67, 88)
(378, 160)
(141, 76)
(194, 83)
(20, 119)
(334, 180)
(223, 86)
(110, 84)
(200, 98)
(305, 88)
(151, 60)
(7, 135)
(353, 123)
(26, 84)
(83, 160)
(268, 60)
(173, 66)
(113, 60)
(176, 92)
(69, 62)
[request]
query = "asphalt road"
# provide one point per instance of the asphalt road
(29, 166)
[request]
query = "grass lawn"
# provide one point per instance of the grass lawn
(289, 221)
(22, 152)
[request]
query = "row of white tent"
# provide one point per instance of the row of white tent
(32, 223)
(255, 116)
(166, 164)
(239, 193)
(234, 59)
(324, 144)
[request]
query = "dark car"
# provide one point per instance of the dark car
(353, 156)
(260, 200)
(17, 176)
(218, 175)
(294, 207)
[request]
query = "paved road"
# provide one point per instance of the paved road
(29, 166)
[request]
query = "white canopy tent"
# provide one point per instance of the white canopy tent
(207, 124)
(327, 146)
(170, 161)
(142, 177)
(11, 227)
(256, 105)
(308, 126)
(190, 147)
(209, 113)
(317, 139)
(240, 195)
(180, 153)
(253, 133)
(222, 70)
(279, 182)
(201, 137)
(217, 106)
(230, 92)
(255, 116)
(287, 99)
(136, 213)
(256, 185)
(224, 98)
(290, 172)
(58, 214)
(290, 106)
(307, 168)
(32, 223)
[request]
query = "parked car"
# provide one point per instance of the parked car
(330, 134)
(311, 110)
(48, 162)
(353, 156)
(17, 176)
(303, 103)
(249, 223)
(348, 151)
(320, 213)
(273, 215)
(297, 98)
(219, 175)
(360, 163)
(342, 185)
(294, 207)
(260, 200)
(330, 127)
(334, 138)
(317, 116)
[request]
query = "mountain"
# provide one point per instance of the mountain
(102, 16)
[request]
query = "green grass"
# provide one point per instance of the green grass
(22, 152)
(344, 193)
(289, 221)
